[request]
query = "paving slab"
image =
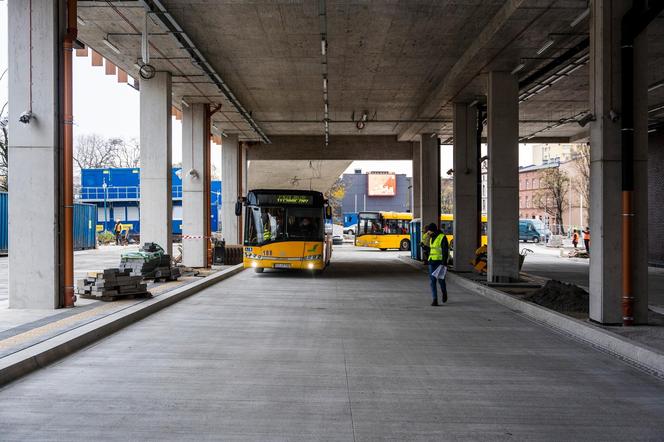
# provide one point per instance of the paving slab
(355, 354)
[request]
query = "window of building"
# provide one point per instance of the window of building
(533, 184)
(527, 203)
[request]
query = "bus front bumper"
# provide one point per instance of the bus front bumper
(299, 264)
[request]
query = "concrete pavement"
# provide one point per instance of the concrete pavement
(356, 354)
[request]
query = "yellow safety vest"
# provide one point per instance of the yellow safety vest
(436, 252)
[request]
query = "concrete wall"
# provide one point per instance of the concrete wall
(156, 160)
(430, 179)
(230, 159)
(194, 143)
(503, 177)
(466, 176)
(356, 191)
(606, 219)
(655, 198)
(34, 206)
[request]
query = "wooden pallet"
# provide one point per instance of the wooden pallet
(119, 296)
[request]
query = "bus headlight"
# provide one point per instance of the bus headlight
(254, 264)
(310, 265)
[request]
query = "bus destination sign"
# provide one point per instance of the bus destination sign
(295, 199)
(286, 199)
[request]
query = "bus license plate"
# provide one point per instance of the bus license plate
(282, 266)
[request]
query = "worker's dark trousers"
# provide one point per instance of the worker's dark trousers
(433, 265)
(586, 242)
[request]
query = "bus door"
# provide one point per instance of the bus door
(369, 230)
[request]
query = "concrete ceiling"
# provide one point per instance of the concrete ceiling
(301, 174)
(403, 62)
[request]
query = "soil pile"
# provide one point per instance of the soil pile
(561, 297)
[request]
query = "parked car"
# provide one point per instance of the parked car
(337, 234)
(533, 230)
(350, 230)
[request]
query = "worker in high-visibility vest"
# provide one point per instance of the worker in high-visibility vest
(426, 244)
(586, 239)
(438, 255)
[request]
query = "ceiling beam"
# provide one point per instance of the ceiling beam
(341, 147)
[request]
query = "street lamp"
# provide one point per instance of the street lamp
(104, 186)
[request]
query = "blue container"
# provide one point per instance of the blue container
(85, 222)
(4, 223)
(85, 225)
(415, 238)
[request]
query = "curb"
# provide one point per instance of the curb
(639, 355)
(39, 355)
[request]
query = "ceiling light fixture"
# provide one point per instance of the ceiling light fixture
(80, 21)
(580, 18)
(323, 46)
(111, 45)
(518, 68)
(654, 86)
(546, 46)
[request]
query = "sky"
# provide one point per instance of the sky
(106, 107)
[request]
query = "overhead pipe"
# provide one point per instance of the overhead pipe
(68, 155)
(478, 159)
(207, 180)
(633, 23)
(156, 8)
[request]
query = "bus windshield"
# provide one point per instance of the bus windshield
(270, 224)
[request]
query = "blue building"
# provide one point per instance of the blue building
(116, 193)
(392, 194)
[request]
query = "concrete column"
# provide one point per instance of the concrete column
(429, 179)
(417, 192)
(466, 176)
(194, 143)
(156, 188)
(503, 178)
(230, 190)
(605, 168)
(34, 208)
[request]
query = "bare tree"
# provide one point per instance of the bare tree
(446, 195)
(552, 196)
(93, 152)
(128, 153)
(582, 165)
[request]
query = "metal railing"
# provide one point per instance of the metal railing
(117, 193)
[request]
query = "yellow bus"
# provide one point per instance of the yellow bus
(286, 229)
(390, 230)
(383, 230)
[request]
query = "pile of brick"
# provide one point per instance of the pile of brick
(112, 284)
(150, 262)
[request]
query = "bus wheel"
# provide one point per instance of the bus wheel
(405, 244)
(259, 270)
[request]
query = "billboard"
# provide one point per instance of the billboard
(382, 184)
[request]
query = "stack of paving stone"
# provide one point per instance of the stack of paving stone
(112, 284)
(150, 263)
